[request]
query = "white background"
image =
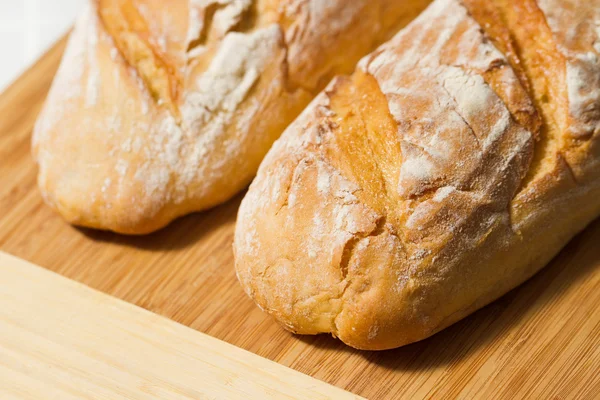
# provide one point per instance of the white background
(28, 28)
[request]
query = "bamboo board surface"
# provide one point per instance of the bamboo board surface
(83, 344)
(541, 340)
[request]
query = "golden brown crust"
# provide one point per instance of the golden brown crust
(435, 179)
(158, 111)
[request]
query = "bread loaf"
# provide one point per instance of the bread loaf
(454, 163)
(162, 108)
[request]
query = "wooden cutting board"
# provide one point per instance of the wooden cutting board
(541, 340)
(62, 340)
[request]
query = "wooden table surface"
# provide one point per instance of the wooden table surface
(541, 340)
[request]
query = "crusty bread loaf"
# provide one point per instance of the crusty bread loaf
(451, 166)
(161, 108)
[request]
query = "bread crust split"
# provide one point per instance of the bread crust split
(162, 108)
(455, 162)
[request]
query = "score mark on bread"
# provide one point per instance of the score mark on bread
(130, 32)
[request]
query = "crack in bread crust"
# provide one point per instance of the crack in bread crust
(130, 32)
(535, 54)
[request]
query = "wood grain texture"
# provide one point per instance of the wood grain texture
(60, 339)
(541, 340)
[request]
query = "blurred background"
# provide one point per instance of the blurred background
(28, 28)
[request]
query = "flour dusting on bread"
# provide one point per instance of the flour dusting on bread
(579, 44)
